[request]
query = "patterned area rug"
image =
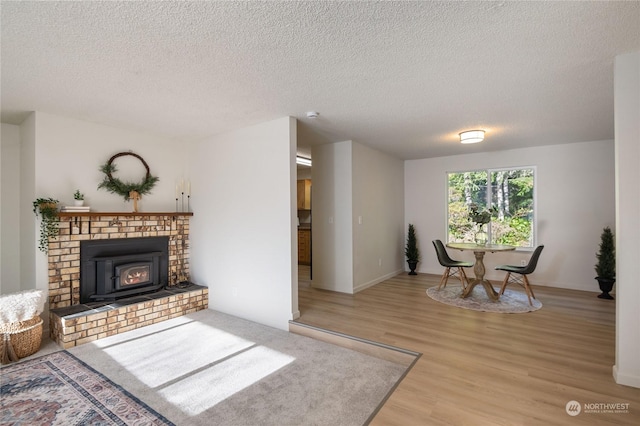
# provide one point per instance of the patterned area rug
(511, 302)
(59, 389)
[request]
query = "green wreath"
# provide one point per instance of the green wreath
(116, 186)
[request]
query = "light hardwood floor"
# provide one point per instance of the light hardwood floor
(482, 368)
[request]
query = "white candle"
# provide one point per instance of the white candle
(189, 188)
(182, 185)
(177, 191)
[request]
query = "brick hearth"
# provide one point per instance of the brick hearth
(72, 323)
(80, 324)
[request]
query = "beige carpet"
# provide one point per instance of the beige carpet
(210, 368)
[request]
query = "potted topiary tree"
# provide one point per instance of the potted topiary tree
(48, 209)
(411, 250)
(606, 266)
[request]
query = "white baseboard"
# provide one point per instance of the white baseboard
(376, 281)
(623, 379)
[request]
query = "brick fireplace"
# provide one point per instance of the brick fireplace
(74, 321)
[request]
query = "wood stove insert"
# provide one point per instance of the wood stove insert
(112, 269)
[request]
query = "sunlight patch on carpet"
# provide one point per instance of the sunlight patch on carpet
(158, 359)
(511, 302)
(205, 389)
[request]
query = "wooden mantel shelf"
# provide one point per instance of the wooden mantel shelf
(126, 214)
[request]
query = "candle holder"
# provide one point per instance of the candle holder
(177, 204)
(188, 203)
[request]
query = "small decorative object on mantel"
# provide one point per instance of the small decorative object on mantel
(128, 190)
(135, 196)
(181, 187)
(75, 209)
(48, 209)
(78, 198)
(480, 218)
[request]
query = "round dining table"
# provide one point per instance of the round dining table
(478, 268)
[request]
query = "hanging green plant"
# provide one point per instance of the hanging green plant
(124, 189)
(47, 208)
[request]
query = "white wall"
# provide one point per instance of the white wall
(243, 233)
(575, 201)
(10, 209)
(28, 230)
(627, 158)
(378, 216)
(69, 154)
(332, 210)
(358, 216)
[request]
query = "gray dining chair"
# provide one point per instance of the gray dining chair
(452, 267)
(518, 274)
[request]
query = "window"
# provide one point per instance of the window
(508, 193)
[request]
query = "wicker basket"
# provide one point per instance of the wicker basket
(20, 339)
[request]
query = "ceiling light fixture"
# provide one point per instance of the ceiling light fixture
(303, 161)
(313, 114)
(472, 136)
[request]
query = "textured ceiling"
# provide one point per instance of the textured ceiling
(401, 77)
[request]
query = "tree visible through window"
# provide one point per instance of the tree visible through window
(508, 193)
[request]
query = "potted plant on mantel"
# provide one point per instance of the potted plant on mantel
(606, 266)
(47, 208)
(78, 198)
(411, 250)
